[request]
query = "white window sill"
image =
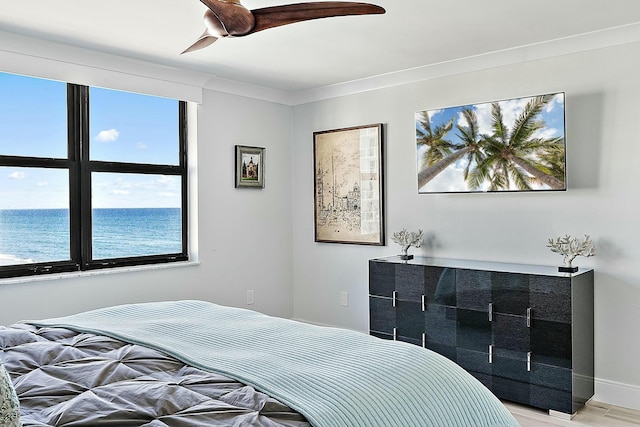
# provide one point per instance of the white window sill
(98, 272)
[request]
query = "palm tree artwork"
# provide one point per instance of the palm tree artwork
(511, 145)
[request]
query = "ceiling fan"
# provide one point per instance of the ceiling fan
(229, 18)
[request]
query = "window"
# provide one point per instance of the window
(89, 178)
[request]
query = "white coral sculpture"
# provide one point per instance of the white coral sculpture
(571, 247)
(407, 239)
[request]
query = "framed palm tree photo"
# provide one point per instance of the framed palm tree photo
(502, 146)
(348, 190)
(249, 167)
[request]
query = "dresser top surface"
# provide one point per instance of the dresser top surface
(544, 270)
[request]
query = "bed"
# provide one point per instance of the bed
(194, 363)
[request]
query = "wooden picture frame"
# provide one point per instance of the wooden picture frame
(348, 185)
(249, 167)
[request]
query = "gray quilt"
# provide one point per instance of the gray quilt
(66, 378)
(334, 377)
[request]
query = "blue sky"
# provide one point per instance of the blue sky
(451, 179)
(123, 127)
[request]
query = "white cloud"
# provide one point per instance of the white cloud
(432, 113)
(133, 191)
(17, 175)
(141, 146)
(558, 99)
(461, 120)
(510, 110)
(107, 135)
(483, 114)
(43, 184)
(546, 133)
(449, 180)
(166, 180)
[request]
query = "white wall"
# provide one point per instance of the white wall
(603, 145)
(244, 235)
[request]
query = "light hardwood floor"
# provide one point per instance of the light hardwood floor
(594, 414)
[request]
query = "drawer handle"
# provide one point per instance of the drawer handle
(394, 294)
(491, 353)
(529, 317)
(424, 303)
(395, 334)
(490, 312)
(529, 361)
(424, 340)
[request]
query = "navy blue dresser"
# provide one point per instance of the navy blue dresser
(525, 331)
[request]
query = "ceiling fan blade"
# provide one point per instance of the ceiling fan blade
(275, 16)
(205, 40)
(236, 19)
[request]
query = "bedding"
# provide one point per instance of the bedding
(69, 378)
(333, 377)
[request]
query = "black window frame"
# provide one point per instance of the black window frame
(80, 168)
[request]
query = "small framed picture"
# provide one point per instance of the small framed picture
(249, 167)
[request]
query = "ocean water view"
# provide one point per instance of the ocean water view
(42, 235)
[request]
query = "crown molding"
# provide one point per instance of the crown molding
(43, 58)
(553, 48)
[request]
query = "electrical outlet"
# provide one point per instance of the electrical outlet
(250, 298)
(344, 299)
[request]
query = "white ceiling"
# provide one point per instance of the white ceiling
(314, 54)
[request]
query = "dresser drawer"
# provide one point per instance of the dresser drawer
(382, 278)
(382, 317)
(551, 399)
(527, 394)
(550, 298)
(552, 377)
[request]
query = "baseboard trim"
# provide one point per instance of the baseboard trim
(618, 394)
(312, 323)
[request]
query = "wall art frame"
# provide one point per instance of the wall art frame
(250, 165)
(349, 185)
(509, 145)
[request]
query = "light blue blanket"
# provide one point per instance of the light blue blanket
(334, 377)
